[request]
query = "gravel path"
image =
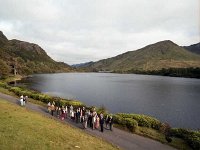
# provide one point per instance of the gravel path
(122, 139)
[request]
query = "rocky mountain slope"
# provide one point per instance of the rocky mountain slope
(26, 58)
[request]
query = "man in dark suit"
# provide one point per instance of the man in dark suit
(101, 121)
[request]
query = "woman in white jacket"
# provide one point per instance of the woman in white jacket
(21, 100)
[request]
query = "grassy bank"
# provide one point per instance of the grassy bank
(24, 129)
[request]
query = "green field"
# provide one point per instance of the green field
(24, 129)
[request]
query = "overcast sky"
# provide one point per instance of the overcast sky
(76, 31)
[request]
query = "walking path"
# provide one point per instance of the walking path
(122, 139)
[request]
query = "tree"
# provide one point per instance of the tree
(4, 69)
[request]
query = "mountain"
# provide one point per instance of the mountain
(82, 64)
(195, 48)
(164, 54)
(26, 58)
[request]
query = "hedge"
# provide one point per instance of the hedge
(128, 123)
(4, 85)
(191, 137)
(143, 120)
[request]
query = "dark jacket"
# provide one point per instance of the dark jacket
(101, 120)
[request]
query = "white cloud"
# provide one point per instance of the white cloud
(85, 30)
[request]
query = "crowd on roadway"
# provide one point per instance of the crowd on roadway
(88, 117)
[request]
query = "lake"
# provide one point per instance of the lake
(169, 99)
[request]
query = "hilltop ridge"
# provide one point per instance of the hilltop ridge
(26, 58)
(164, 54)
(194, 48)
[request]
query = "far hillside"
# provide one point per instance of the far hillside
(194, 48)
(154, 57)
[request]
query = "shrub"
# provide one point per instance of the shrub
(128, 123)
(131, 124)
(143, 120)
(74, 103)
(44, 98)
(47, 99)
(5, 85)
(191, 137)
(2, 84)
(35, 96)
(147, 121)
(28, 93)
(123, 115)
(119, 120)
(18, 91)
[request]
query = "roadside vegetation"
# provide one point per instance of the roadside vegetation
(153, 128)
(139, 124)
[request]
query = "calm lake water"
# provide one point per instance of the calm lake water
(172, 100)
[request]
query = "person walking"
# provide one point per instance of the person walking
(73, 114)
(93, 121)
(77, 115)
(107, 121)
(62, 112)
(111, 122)
(52, 109)
(24, 101)
(49, 107)
(97, 122)
(85, 120)
(66, 112)
(71, 111)
(21, 100)
(90, 118)
(101, 121)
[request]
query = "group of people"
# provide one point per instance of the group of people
(23, 100)
(88, 118)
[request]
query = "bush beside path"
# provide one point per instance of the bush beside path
(120, 138)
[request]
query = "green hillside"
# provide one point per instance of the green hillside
(27, 58)
(164, 54)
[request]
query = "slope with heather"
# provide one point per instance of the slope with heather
(164, 54)
(26, 58)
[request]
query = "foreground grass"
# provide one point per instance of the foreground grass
(23, 129)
